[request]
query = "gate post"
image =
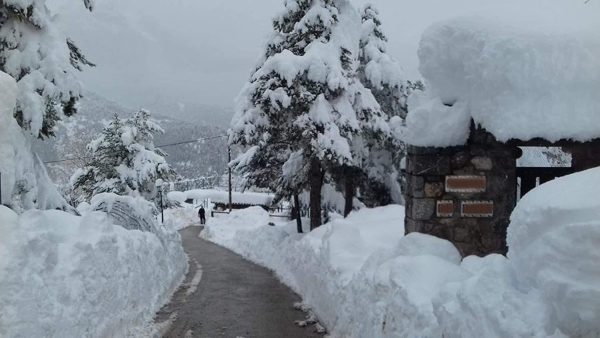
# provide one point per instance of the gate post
(463, 194)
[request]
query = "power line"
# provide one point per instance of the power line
(158, 146)
(191, 141)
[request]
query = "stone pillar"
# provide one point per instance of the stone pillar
(463, 194)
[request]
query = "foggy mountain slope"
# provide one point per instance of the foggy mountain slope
(146, 54)
(191, 160)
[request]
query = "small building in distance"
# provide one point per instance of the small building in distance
(492, 92)
(220, 198)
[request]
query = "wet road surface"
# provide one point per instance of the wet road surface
(226, 296)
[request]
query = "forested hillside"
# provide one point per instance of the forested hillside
(66, 152)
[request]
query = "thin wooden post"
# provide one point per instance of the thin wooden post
(229, 167)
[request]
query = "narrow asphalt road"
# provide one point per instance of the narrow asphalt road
(226, 296)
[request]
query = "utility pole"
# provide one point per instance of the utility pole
(162, 208)
(0, 188)
(229, 167)
(159, 186)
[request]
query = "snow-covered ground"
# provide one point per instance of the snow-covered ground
(70, 276)
(63, 275)
(183, 217)
(364, 278)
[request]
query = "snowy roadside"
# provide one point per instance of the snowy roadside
(70, 276)
(363, 278)
(180, 218)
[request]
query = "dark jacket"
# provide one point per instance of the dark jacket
(201, 212)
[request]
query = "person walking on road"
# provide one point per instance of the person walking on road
(202, 215)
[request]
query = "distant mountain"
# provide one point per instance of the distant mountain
(190, 159)
(197, 113)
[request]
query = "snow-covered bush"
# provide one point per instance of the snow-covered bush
(70, 276)
(132, 213)
(124, 160)
(44, 62)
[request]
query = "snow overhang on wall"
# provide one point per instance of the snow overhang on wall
(517, 83)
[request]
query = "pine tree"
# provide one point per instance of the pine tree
(378, 71)
(383, 76)
(43, 61)
(299, 111)
(124, 160)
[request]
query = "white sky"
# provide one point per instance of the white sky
(200, 52)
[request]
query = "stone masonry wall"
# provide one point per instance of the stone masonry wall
(463, 194)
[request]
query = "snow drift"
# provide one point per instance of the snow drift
(69, 276)
(516, 83)
(553, 244)
(364, 278)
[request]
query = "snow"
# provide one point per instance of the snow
(131, 163)
(308, 85)
(37, 54)
(517, 82)
(544, 157)
(220, 196)
(132, 213)
(380, 68)
(363, 278)
(182, 217)
(432, 123)
(352, 272)
(25, 183)
(553, 241)
(81, 276)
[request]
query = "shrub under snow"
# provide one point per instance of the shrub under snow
(364, 278)
(69, 276)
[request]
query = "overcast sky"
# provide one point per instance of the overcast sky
(200, 52)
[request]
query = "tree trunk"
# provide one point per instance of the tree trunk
(298, 215)
(348, 194)
(316, 183)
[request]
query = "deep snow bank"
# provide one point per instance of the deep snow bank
(68, 276)
(515, 81)
(554, 244)
(364, 278)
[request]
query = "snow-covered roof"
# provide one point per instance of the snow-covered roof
(517, 83)
(220, 196)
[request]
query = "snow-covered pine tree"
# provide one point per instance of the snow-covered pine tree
(43, 61)
(383, 76)
(378, 71)
(124, 160)
(304, 98)
(373, 130)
